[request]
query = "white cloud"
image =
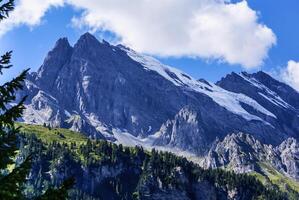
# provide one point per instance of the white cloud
(27, 12)
(291, 74)
(206, 29)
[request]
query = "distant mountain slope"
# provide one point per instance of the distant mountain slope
(278, 98)
(103, 90)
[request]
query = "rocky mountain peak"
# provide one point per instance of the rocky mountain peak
(244, 73)
(262, 75)
(277, 97)
(185, 131)
(87, 37)
(90, 49)
(61, 49)
(53, 63)
(62, 43)
(87, 41)
(244, 153)
(229, 78)
(240, 139)
(234, 151)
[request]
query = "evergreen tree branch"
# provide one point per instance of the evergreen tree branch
(5, 8)
(7, 91)
(7, 119)
(5, 61)
(11, 185)
(7, 149)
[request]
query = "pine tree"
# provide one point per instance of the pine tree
(11, 182)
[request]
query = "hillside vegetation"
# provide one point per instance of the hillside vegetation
(108, 171)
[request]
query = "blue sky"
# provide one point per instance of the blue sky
(31, 43)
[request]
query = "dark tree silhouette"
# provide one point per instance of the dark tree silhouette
(11, 181)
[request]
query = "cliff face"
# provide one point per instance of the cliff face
(243, 153)
(103, 86)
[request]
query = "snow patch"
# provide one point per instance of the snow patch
(229, 100)
(127, 139)
(271, 96)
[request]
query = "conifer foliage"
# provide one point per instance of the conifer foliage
(5, 8)
(11, 181)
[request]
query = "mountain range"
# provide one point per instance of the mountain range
(114, 93)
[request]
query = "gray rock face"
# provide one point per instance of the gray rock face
(185, 131)
(243, 153)
(98, 88)
(53, 63)
(289, 154)
(102, 84)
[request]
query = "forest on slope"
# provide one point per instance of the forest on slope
(104, 170)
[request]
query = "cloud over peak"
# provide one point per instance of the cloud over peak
(208, 29)
(290, 74)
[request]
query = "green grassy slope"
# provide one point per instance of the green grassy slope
(54, 134)
(272, 176)
(279, 179)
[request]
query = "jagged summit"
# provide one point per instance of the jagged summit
(262, 73)
(53, 63)
(259, 76)
(263, 84)
(87, 39)
(62, 43)
(244, 153)
(242, 74)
